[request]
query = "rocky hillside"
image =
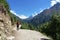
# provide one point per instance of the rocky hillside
(6, 20)
(5, 25)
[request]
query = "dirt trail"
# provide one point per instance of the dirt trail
(24, 34)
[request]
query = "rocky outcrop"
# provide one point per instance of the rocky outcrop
(5, 24)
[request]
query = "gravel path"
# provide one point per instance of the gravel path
(24, 34)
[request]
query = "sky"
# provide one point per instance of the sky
(26, 8)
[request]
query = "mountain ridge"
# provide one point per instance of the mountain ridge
(45, 15)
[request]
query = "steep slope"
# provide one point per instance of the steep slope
(5, 26)
(6, 20)
(45, 15)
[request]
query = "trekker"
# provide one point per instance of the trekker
(18, 25)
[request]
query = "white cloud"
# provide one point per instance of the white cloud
(13, 12)
(58, 0)
(53, 2)
(36, 13)
(23, 16)
(20, 16)
(41, 11)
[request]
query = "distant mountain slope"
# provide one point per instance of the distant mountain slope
(45, 15)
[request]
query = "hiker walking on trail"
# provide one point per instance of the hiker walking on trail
(18, 25)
